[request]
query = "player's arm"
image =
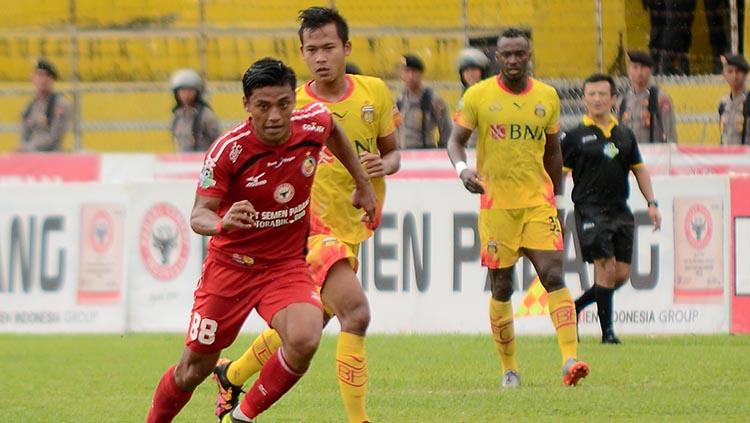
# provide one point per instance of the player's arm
(387, 162)
(364, 195)
(553, 162)
(457, 153)
(644, 184)
(205, 221)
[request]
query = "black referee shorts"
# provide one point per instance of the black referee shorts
(605, 231)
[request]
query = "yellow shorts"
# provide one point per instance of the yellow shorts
(504, 232)
(324, 250)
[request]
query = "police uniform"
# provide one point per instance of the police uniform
(45, 119)
(654, 123)
(733, 118)
(195, 128)
(422, 114)
(601, 160)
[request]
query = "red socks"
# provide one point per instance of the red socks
(168, 399)
(276, 378)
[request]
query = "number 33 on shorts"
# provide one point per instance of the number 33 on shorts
(203, 330)
(554, 224)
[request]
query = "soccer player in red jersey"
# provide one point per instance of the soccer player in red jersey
(363, 106)
(253, 199)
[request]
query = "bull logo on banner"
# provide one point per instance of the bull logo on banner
(164, 241)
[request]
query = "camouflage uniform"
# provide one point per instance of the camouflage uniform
(732, 119)
(206, 130)
(417, 129)
(40, 132)
(637, 117)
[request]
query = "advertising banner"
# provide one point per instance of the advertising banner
(46, 284)
(165, 256)
(422, 273)
(740, 218)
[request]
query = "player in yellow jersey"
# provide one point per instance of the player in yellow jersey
(363, 107)
(518, 174)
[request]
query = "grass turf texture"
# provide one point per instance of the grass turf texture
(413, 378)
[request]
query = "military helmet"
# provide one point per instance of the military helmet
(186, 78)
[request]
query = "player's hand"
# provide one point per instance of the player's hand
(655, 216)
(363, 198)
(472, 181)
(373, 164)
(241, 215)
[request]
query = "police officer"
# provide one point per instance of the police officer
(46, 119)
(734, 108)
(644, 108)
(194, 125)
(422, 109)
(601, 153)
(473, 66)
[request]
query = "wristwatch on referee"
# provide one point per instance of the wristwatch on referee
(653, 203)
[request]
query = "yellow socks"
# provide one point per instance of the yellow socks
(263, 347)
(501, 321)
(351, 364)
(562, 311)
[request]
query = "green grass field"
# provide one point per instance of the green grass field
(445, 378)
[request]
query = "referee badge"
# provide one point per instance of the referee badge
(610, 150)
(492, 246)
(539, 110)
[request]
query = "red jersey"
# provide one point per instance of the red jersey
(275, 179)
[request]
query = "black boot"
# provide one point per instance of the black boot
(609, 337)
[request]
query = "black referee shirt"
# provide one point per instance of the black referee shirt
(601, 160)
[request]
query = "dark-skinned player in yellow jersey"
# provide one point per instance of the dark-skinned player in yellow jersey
(518, 174)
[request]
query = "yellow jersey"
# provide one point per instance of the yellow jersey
(365, 113)
(512, 136)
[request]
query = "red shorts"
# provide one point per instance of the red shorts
(216, 319)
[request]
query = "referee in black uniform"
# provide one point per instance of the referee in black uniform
(601, 155)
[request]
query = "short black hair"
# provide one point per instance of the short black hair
(317, 17)
(267, 72)
(600, 77)
(514, 32)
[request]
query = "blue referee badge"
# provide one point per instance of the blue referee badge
(610, 150)
(539, 110)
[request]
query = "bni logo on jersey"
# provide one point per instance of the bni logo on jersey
(164, 241)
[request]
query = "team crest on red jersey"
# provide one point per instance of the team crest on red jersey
(308, 166)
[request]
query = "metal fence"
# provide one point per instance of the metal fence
(118, 55)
